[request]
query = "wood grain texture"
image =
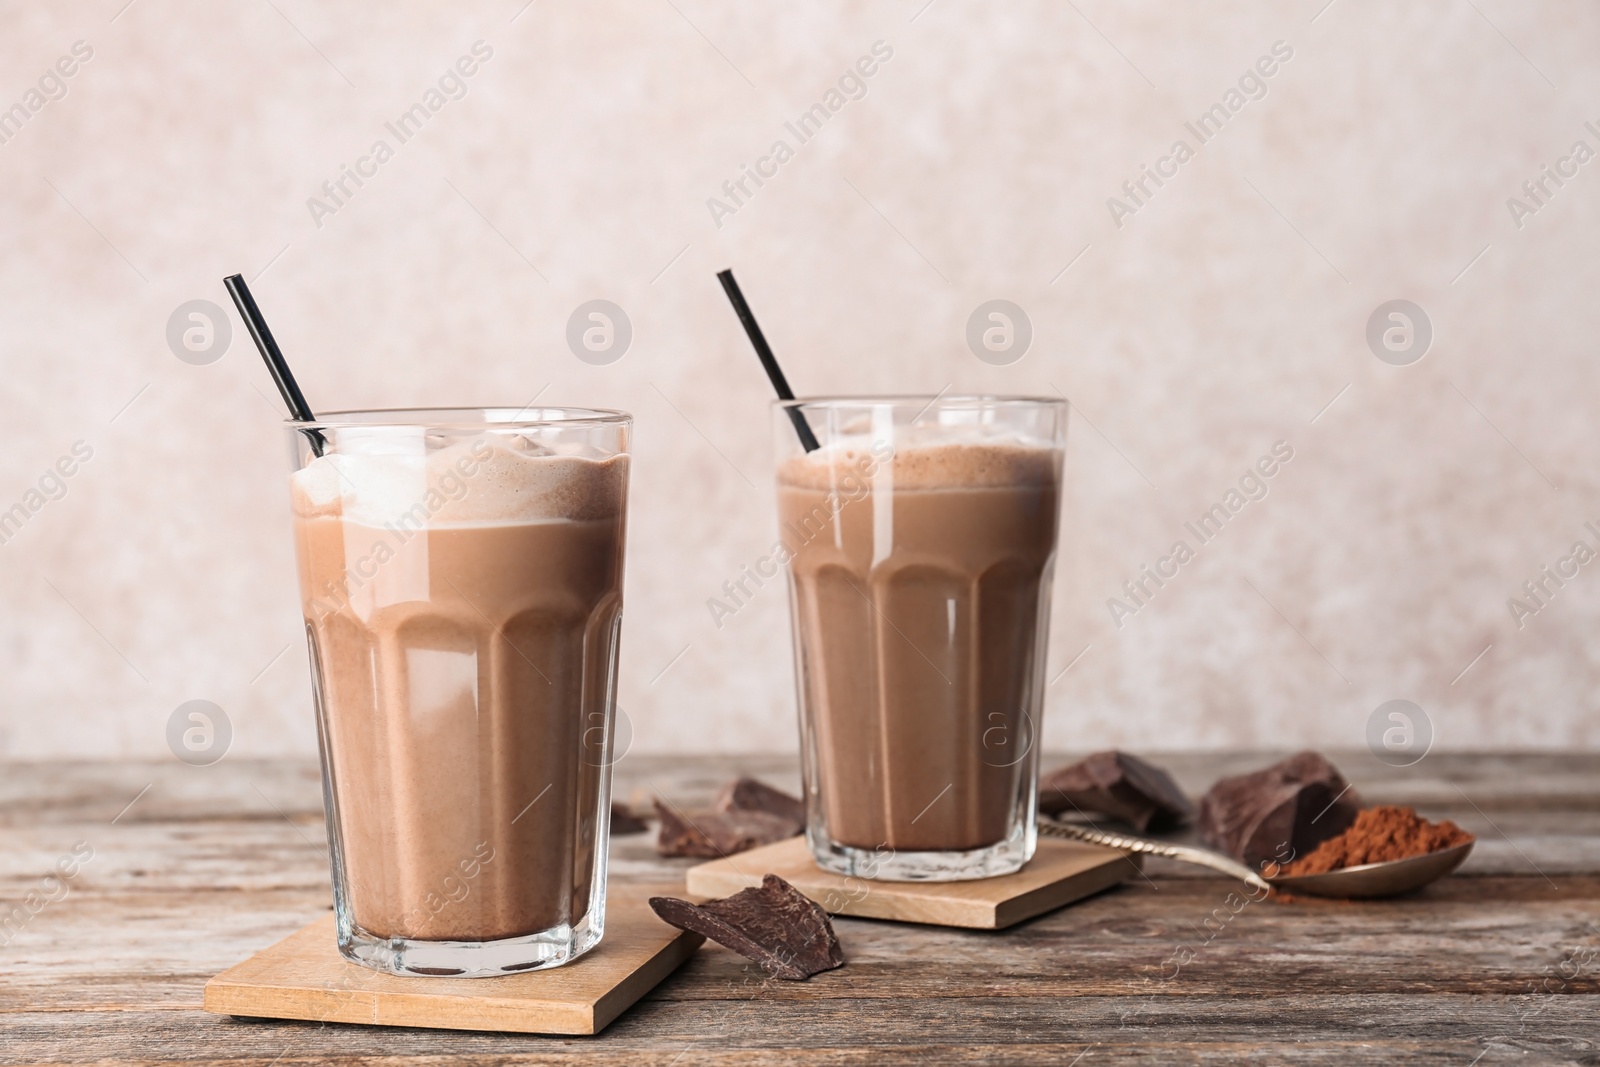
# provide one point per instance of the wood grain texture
(1502, 960)
(1060, 873)
(304, 977)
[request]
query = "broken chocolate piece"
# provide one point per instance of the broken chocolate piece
(624, 821)
(1279, 813)
(748, 794)
(790, 936)
(713, 834)
(1119, 785)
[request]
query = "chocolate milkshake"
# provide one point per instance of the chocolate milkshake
(462, 594)
(920, 582)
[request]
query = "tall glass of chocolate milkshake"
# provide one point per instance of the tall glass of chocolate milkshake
(461, 581)
(920, 539)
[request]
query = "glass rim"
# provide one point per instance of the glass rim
(463, 418)
(925, 400)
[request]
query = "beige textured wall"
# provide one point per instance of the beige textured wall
(1226, 313)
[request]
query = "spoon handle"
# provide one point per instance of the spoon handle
(1182, 853)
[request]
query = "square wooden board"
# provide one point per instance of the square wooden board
(1059, 873)
(304, 977)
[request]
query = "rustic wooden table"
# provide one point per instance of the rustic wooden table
(194, 869)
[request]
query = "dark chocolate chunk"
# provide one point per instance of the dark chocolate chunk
(789, 936)
(1279, 813)
(713, 834)
(625, 822)
(747, 794)
(1119, 785)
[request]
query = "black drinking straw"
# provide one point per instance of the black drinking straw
(261, 334)
(758, 340)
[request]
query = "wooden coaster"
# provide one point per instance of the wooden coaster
(1059, 873)
(304, 977)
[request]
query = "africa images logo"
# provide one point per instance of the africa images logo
(451, 85)
(1252, 85)
(852, 85)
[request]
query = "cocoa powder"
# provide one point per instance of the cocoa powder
(1380, 834)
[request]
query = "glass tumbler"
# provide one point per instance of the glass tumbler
(461, 582)
(919, 537)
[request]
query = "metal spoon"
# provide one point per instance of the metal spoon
(1184, 853)
(1387, 879)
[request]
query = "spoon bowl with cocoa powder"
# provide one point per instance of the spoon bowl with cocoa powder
(1386, 852)
(1387, 878)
